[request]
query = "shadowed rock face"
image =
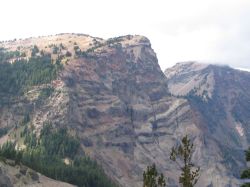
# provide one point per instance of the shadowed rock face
(127, 114)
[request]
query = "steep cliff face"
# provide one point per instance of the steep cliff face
(113, 95)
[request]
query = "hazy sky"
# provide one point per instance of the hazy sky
(216, 31)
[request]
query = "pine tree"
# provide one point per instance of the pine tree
(152, 179)
(246, 173)
(183, 153)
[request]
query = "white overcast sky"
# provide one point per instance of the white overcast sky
(215, 31)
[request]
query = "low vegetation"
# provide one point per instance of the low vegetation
(112, 43)
(6, 55)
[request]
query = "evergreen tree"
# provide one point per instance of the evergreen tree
(246, 173)
(183, 153)
(152, 179)
(34, 51)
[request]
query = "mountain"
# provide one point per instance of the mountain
(222, 90)
(112, 96)
(220, 98)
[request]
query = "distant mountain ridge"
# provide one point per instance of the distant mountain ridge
(222, 96)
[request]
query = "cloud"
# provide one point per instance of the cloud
(180, 30)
